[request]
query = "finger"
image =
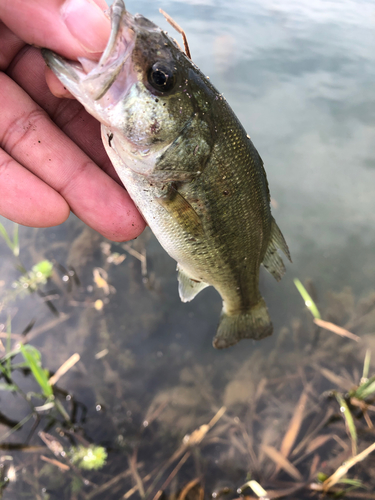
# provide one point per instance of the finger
(72, 28)
(55, 86)
(10, 44)
(69, 115)
(92, 195)
(27, 200)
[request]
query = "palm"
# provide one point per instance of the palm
(52, 159)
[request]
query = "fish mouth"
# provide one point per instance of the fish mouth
(89, 81)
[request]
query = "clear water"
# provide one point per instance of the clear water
(300, 76)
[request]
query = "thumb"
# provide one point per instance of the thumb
(87, 23)
(72, 28)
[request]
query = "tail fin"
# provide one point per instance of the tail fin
(254, 324)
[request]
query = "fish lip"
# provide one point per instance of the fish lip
(96, 82)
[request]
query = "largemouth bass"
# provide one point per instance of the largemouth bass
(188, 164)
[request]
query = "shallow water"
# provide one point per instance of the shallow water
(300, 76)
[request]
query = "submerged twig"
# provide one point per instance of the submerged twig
(104, 487)
(172, 475)
(294, 427)
(189, 440)
(282, 462)
(140, 256)
(130, 492)
(336, 329)
(67, 365)
(190, 485)
(61, 466)
(135, 474)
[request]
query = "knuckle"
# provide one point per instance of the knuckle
(19, 130)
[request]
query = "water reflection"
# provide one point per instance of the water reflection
(300, 77)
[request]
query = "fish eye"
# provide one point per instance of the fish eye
(161, 77)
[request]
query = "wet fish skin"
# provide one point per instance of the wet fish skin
(188, 165)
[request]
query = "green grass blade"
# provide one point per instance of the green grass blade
(366, 366)
(16, 427)
(16, 246)
(32, 358)
(349, 421)
(356, 483)
(4, 370)
(8, 387)
(62, 410)
(4, 234)
(366, 389)
(10, 354)
(9, 331)
(309, 303)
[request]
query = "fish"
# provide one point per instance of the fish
(188, 164)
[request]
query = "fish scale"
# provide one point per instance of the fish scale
(188, 165)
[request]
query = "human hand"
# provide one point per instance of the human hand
(51, 155)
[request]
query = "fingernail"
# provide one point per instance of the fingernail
(87, 23)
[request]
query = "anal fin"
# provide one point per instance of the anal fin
(188, 288)
(272, 260)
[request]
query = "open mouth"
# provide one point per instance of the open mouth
(89, 81)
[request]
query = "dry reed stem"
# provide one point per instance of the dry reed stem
(69, 363)
(188, 441)
(104, 487)
(197, 436)
(178, 28)
(318, 442)
(51, 443)
(313, 446)
(341, 442)
(282, 462)
(307, 439)
(327, 325)
(314, 466)
(172, 475)
(14, 336)
(140, 256)
(34, 333)
(341, 471)
(155, 414)
(335, 379)
(135, 474)
(364, 408)
(129, 493)
(188, 487)
(294, 426)
(274, 494)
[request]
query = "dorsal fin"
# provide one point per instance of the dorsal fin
(272, 260)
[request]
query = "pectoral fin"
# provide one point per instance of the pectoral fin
(188, 288)
(272, 260)
(182, 211)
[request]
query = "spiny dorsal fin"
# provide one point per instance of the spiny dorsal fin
(272, 260)
(187, 287)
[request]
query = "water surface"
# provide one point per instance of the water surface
(300, 76)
